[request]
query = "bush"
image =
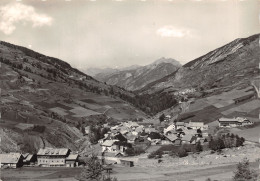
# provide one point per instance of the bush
(199, 147)
(155, 154)
(182, 152)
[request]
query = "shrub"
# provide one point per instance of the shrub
(182, 152)
(199, 147)
(157, 154)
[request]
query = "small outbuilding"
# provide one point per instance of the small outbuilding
(127, 163)
(72, 160)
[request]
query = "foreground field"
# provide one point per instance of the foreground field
(223, 172)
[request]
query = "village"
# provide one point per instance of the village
(123, 142)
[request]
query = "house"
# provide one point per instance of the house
(127, 163)
(72, 160)
(178, 142)
(87, 129)
(233, 122)
(179, 125)
(169, 139)
(154, 138)
(108, 145)
(53, 157)
(29, 159)
(149, 130)
(11, 160)
(187, 138)
(131, 138)
(196, 125)
(139, 129)
(169, 128)
(124, 130)
(167, 118)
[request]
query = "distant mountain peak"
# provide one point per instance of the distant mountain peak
(166, 60)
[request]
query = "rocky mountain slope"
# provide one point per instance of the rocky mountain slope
(134, 78)
(228, 65)
(222, 83)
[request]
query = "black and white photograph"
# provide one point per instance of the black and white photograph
(129, 90)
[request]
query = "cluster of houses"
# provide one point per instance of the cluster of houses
(47, 157)
(131, 134)
(120, 138)
(185, 91)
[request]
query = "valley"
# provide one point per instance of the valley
(46, 103)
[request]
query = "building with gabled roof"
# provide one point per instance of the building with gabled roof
(233, 122)
(72, 160)
(169, 128)
(29, 159)
(52, 157)
(169, 139)
(108, 145)
(186, 138)
(179, 125)
(12, 160)
(196, 125)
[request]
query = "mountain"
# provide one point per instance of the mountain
(135, 78)
(226, 66)
(95, 71)
(222, 83)
(46, 102)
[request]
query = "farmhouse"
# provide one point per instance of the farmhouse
(169, 139)
(12, 160)
(180, 125)
(196, 125)
(108, 146)
(56, 157)
(233, 122)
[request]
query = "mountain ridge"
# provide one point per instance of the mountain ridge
(137, 78)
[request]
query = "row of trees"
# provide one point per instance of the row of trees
(225, 141)
(181, 151)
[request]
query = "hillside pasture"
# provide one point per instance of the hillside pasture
(206, 115)
(59, 111)
(246, 107)
(70, 105)
(228, 98)
(83, 112)
(92, 106)
(198, 105)
(24, 126)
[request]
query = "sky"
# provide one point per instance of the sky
(120, 33)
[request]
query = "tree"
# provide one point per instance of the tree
(93, 169)
(243, 172)
(161, 118)
(199, 148)
(182, 152)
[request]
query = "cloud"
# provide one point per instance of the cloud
(170, 31)
(13, 13)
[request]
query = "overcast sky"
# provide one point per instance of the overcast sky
(111, 33)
